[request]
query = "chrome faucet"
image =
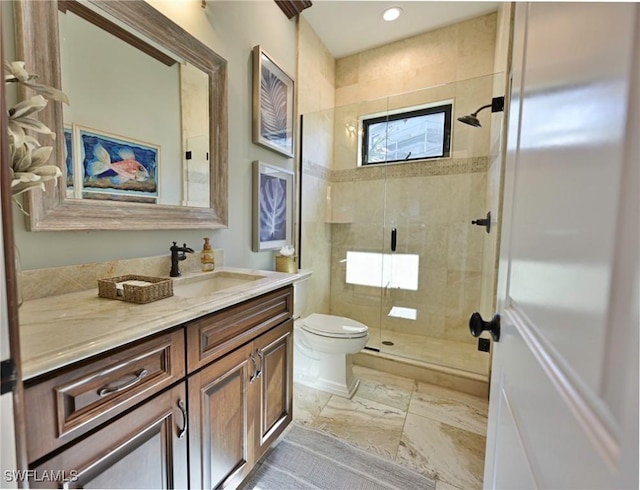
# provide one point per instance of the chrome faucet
(178, 254)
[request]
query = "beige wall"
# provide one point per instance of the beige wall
(457, 52)
(431, 204)
(316, 98)
(231, 29)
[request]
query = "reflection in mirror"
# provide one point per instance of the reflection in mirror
(195, 135)
(143, 143)
(155, 109)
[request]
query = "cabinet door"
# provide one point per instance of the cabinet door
(220, 433)
(146, 448)
(274, 350)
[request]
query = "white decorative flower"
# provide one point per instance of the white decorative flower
(27, 157)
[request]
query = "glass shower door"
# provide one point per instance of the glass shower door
(438, 262)
(356, 200)
(390, 242)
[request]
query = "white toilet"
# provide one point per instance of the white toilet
(323, 345)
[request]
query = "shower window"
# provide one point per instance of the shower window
(417, 133)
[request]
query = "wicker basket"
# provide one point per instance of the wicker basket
(159, 287)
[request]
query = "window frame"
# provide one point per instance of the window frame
(445, 106)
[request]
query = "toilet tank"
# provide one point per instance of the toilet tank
(300, 292)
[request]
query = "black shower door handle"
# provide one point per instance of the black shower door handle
(394, 239)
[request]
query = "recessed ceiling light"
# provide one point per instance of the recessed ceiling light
(391, 13)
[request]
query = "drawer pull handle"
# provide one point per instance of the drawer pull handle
(261, 356)
(183, 409)
(107, 390)
(254, 375)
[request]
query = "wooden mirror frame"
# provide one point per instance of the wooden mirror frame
(38, 44)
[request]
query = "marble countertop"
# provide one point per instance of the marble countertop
(59, 330)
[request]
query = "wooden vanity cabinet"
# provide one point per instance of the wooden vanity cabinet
(62, 406)
(146, 448)
(161, 414)
(274, 349)
(241, 402)
(212, 336)
(221, 421)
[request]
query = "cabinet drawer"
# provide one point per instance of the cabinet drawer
(146, 448)
(215, 335)
(74, 401)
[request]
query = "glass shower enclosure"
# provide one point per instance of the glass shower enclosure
(386, 218)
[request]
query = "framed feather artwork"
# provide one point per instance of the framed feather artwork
(272, 104)
(272, 207)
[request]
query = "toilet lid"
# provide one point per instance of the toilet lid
(334, 326)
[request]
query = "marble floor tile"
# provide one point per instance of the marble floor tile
(436, 431)
(307, 403)
(388, 389)
(443, 452)
(450, 407)
(367, 424)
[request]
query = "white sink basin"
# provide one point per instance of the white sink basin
(211, 282)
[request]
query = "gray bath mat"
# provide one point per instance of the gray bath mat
(307, 458)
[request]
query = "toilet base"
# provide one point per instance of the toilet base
(332, 373)
(331, 387)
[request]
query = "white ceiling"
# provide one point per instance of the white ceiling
(350, 26)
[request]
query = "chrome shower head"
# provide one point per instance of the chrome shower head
(497, 105)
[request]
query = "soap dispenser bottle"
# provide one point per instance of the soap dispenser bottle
(206, 257)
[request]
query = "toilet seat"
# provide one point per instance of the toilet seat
(332, 326)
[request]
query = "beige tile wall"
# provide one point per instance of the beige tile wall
(457, 52)
(53, 281)
(432, 215)
(494, 182)
(316, 98)
(430, 203)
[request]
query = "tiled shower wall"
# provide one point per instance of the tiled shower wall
(457, 52)
(432, 214)
(316, 95)
(495, 170)
(430, 203)
(345, 207)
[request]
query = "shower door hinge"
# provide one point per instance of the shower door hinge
(8, 376)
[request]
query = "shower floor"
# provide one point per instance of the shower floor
(449, 353)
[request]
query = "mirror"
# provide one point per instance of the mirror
(177, 141)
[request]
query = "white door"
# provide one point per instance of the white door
(564, 385)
